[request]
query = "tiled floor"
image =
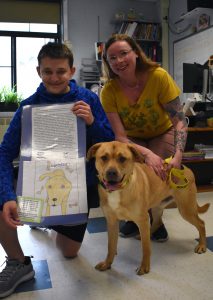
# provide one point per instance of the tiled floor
(176, 271)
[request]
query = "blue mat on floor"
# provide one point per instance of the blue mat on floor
(96, 225)
(41, 281)
(209, 241)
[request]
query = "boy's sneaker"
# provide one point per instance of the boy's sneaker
(129, 229)
(14, 274)
(160, 235)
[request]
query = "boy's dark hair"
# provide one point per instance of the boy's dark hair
(55, 50)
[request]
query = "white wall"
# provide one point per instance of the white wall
(186, 27)
(81, 22)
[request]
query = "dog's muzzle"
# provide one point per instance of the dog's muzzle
(113, 182)
(112, 176)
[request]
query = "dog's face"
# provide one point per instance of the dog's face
(57, 187)
(114, 162)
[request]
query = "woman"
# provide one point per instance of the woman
(143, 106)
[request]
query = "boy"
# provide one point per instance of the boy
(55, 68)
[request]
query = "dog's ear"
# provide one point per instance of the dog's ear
(92, 151)
(52, 174)
(138, 156)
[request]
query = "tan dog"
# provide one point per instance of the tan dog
(129, 188)
(58, 188)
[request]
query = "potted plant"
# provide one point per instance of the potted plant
(9, 99)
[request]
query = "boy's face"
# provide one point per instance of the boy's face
(55, 74)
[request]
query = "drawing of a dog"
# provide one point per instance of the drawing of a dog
(129, 188)
(58, 188)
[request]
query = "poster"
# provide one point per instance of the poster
(52, 180)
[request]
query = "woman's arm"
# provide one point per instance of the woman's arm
(175, 112)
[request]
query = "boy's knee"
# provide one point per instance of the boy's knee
(67, 246)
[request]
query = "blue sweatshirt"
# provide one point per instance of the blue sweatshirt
(99, 131)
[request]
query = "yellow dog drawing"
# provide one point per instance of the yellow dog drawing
(58, 188)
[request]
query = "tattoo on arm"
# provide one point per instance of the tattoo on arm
(175, 112)
(180, 139)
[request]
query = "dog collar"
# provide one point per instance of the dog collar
(111, 188)
(178, 173)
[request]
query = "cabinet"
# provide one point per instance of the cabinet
(147, 35)
(202, 168)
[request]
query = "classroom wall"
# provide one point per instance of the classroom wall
(81, 19)
(181, 29)
(86, 22)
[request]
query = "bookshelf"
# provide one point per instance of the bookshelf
(147, 34)
(202, 168)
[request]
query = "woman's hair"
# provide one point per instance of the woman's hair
(143, 63)
(55, 50)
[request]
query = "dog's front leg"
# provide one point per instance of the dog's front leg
(113, 228)
(144, 228)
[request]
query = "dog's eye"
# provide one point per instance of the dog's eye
(122, 159)
(62, 186)
(104, 157)
(49, 186)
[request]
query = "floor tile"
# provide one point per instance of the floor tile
(42, 278)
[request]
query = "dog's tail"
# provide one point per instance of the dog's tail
(203, 209)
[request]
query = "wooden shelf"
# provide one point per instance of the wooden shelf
(200, 129)
(202, 168)
(205, 188)
(202, 160)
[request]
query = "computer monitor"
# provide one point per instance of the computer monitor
(195, 78)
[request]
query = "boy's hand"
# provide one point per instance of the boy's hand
(83, 110)
(10, 214)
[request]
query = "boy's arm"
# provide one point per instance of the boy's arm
(9, 150)
(100, 130)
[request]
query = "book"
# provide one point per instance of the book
(208, 153)
(188, 155)
(203, 147)
(131, 28)
(99, 48)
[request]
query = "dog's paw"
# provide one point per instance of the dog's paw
(103, 266)
(143, 269)
(200, 249)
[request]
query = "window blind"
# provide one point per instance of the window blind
(30, 11)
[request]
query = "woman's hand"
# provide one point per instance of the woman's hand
(83, 110)
(175, 162)
(10, 214)
(156, 163)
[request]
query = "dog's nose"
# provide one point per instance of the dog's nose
(54, 199)
(112, 175)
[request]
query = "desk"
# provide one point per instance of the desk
(203, 168)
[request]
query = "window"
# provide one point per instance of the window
(18, 59)
(5, 61)
(23, 31)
